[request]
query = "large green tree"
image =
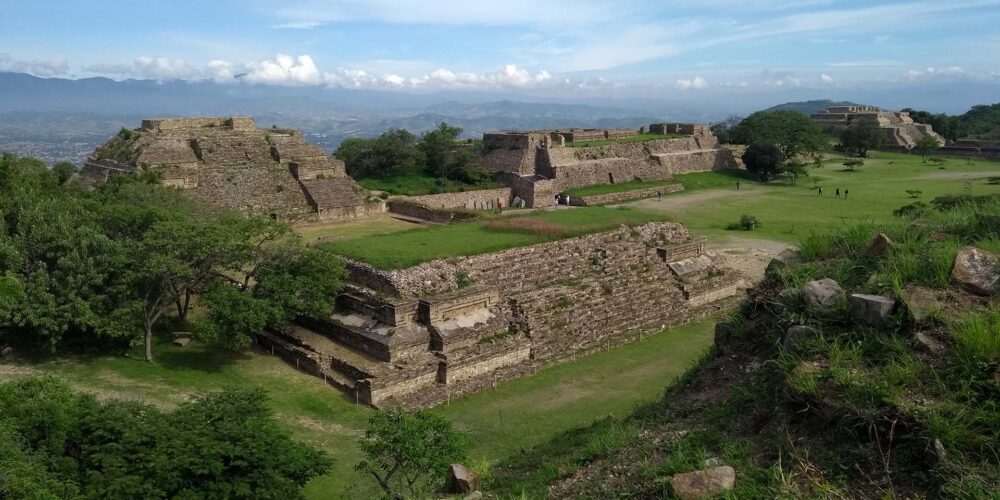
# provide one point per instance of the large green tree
(391, 153)
(441, 150)
(861, 136)
(792, 132)
(408, 454)
(764, 159)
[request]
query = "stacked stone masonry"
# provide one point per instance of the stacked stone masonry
(539, 165)
(901, 132)
(230, 163)
(420, 335)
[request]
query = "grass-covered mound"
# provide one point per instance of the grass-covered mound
(905, 409)
(409, 248)
(419, 184)
(637, 138)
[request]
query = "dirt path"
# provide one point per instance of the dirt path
(683, 201)
(748, 255)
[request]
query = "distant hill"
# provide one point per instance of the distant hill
(810, 107)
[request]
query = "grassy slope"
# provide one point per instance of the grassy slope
(412, 247)
(617, 188)
(788, 212)
(588, 388)
(638, 138)
(382, 224)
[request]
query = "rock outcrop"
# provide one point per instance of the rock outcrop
(703, 483)
(977, 270)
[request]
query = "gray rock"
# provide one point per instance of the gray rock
(822, 295)
(920, 303)
(977, 270)
(703, 483)
(713, 462)
(6, 351)
(798, 335)
(878, 246)
(930, 344)
(871, 309)
(461, 480)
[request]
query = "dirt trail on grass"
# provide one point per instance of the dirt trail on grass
(683, 201)
(748, 255)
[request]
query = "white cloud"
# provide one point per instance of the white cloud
(931, 72)
(162, 68)
(825, 78)
(284, 70)
(695, 83)
(46, 68)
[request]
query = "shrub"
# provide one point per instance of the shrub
(914, 193)
(853, 163)
(746, 223)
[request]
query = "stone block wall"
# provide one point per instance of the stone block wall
(466, 200)
(623, 196)
(171, 124)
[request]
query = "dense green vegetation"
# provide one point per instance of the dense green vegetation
(104, 268)
(854, 410)
(792, 132)
(56, 443)
(401, 163)
(617, 188)
(981, 122)
(408, 248)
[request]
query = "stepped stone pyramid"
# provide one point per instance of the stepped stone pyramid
(231, 163)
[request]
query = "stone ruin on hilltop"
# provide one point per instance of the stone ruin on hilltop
(901, 132)
(419, 336)
(230, 162)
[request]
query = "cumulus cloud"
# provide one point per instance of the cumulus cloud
(930, 72)
(695, 83)
(285, 70)
(55, 66)
(510, 77)
(825, 78)
(162, 68)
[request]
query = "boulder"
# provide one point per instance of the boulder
(871, 309)
(703, 483)
(781, 260)
(798, 335)
(822, 295)
(713, 462)
(6, 351)
(878, 246)
(928, 343)
(920, 303)
(977, 270)
(461, 480)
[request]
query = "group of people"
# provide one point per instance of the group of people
(820, 192)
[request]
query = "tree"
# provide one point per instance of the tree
(763, 159)
(792, 132)
(439, 147)
(407, 454)
(391, 153)
(925, 146)
(794, 169)
(64, 171)
(724, 129)
(853, 163)
(861, 136)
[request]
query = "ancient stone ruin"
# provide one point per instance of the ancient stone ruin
(231, 163)
(418, 336)
(901, 132)
(538, 165)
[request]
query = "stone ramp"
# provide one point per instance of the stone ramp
(331, 193)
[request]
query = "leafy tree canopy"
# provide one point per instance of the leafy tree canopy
(792, 132)
(764, 159)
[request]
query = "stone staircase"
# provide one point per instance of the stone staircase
(331, 193)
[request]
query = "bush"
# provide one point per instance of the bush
(746, 223)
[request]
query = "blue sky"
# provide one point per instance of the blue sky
(621, 47)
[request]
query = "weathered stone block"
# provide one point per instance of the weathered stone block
(977, 270)
(703, 483)
(822, 295)
(878, 246)
(461, 480)
(871, 309)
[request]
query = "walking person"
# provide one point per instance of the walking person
(821, 191)
(659, 196)
(737, 185)
(845, 193)
(838, 193)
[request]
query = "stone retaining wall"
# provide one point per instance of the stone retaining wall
(623, 196)
(468, 200)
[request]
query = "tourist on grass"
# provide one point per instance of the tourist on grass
(820, 191)
(659, 196)
(838, 193)
(845, 193)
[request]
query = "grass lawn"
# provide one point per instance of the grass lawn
(345, 230)
(637, 138)
(617, 188)
(788, 212)
(518, 414)
(408, 248)
(416, 184)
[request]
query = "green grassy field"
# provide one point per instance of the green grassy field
(382, 224)
(408, 248)
(637, 138)
(617, 188)
(415, 184)
(787, 212)
(500, 422)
